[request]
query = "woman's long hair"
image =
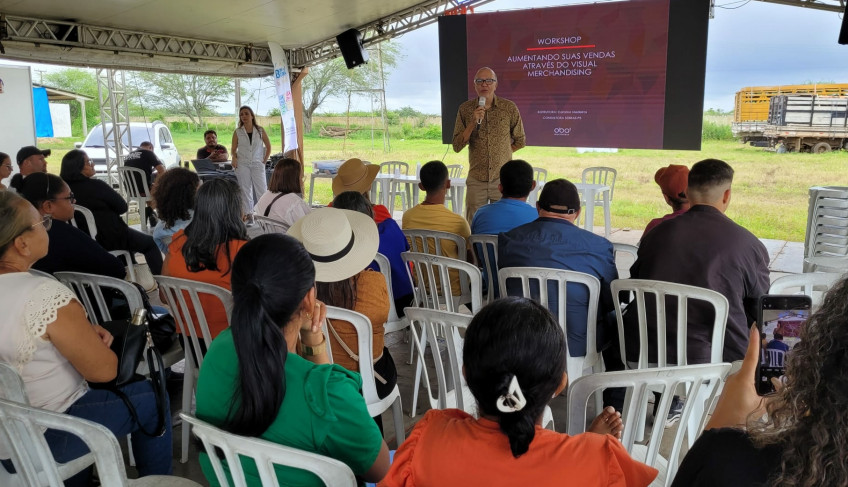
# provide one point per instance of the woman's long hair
(216, 222)
(72, 165)
(809, 418)
(252, 116)
(271, 276)
(174, 194)
(514, 337)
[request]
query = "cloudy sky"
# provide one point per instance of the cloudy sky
(751, 43)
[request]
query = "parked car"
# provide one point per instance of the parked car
(156, 133)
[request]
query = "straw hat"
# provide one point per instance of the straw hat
(354, 175)
(341, 242)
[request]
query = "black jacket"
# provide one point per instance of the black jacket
(107, 206)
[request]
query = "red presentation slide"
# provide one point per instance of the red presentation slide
(582, 76)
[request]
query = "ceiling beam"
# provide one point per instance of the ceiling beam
(827, 5)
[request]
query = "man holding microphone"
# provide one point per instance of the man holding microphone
(493, 129)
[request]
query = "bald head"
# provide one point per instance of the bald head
(485, 83)
(709, 183)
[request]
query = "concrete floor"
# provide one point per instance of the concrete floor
(785, 258)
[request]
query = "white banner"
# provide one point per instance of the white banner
(284, 95)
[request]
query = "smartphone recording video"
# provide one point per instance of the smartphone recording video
(781, 319)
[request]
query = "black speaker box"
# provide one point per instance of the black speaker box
(843, 33)
(350, 44)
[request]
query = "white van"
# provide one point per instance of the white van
(156, 133)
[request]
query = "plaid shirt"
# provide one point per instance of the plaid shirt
(490, 145)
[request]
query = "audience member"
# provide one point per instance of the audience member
(284, 199)
(174, 195)
(355, 175)
(31, 160)
(205, 249)
(254, 383)
(5, 169)
(145, 159)
(803, 440)
(251, 148)
(777, 343)
(213, 151)
(46, 337)
(512, 210)
(70, 249)
(514, 362)
(432, 214)
(704, 248)
(342, 243)
(673, 181)
(392, 244)
(553, 240)
(107, 206)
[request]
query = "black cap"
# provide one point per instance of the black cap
(560, 196)
(30, 151)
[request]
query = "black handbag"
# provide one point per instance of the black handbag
(132, 339)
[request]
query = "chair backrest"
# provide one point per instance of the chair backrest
(600, 175)
(89, 290)
(660, 289)
(484, 248)
(701, 382)
(775, 357)
(629, 251)
(270, 225)
(455, 170)
(133, 182)
(386, 269)
(813, 284)
(432, 242)
(185, 311)
(389, 167)
(36, 272)
(540, 175)
(88, 216)
(433, 286)
(266, 454)
(12, 385)
(541, 277)
(451, 388)
(23, 425)
(365, 348)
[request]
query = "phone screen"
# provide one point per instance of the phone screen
(781, 319)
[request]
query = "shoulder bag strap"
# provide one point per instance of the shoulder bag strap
(268, 208)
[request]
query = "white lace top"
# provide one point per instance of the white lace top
(29, 303)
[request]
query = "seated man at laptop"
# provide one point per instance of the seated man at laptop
(213, 151)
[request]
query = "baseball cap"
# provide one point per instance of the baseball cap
(559, 196)
(673, 180)
(29, 151)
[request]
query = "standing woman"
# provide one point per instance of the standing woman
(5, 168)
(251, 148)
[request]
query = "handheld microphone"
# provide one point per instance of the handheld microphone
(481, 103)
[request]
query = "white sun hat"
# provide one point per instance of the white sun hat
(341, 242)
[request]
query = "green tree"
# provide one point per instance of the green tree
(189, 95)
(80, 81)
(332, 79)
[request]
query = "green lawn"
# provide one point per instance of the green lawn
(770, 190)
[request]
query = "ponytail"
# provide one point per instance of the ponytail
(17, 182)
(518, 421)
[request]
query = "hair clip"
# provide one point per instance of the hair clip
(513, 400)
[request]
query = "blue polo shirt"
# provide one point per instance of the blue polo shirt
(502, 216)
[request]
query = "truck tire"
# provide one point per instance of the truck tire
(821, 148)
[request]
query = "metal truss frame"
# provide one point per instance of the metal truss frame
(114, 120)
(828, 5)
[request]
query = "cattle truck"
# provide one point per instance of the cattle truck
(808, 123)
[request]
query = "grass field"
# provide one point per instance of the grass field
(770, 191)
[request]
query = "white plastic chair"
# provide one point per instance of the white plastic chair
(176, 291)
(600, 175)
(660, 289)
(23, 426)
(393, 322)
(433, 294)
(134, 184)
(540, 175)
(703, 383)
(432, 242)
(484, 248)
(36, 272)
(813, 284)
(454, 172)
(270, 225)
(88, 216)
(400, 168)
(541, 277)
(365, 350)
(631, 253)
(266, 455)
(88, 286)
